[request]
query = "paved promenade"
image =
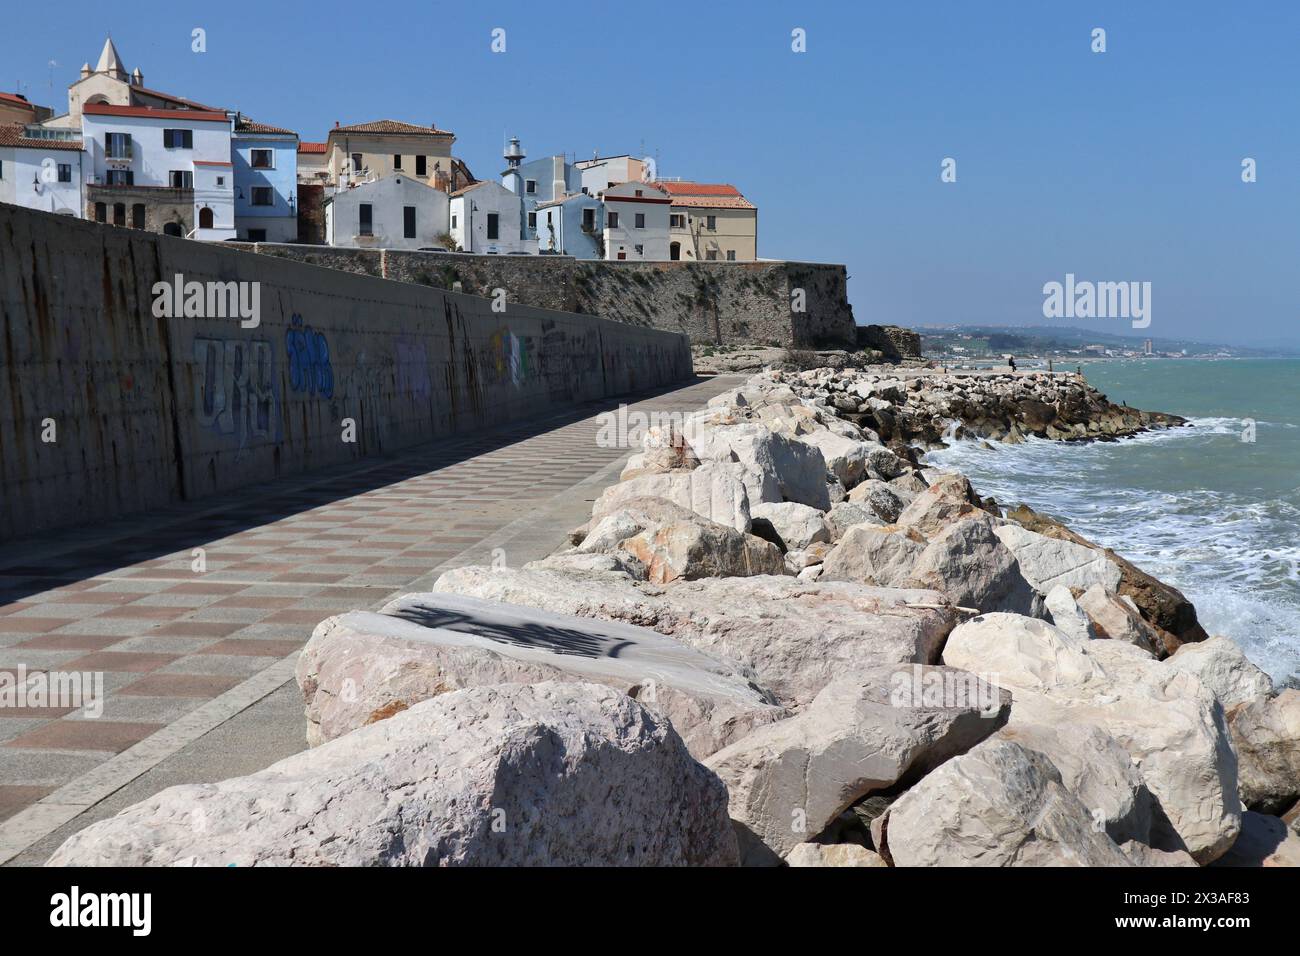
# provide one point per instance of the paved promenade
(194, 664)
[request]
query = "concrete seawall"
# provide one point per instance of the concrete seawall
(715, 303)
(106, 409)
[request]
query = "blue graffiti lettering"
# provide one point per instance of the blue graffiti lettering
(309, 360)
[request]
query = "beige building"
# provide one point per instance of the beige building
(366, 152)
(14, 108)
(109, 84)
(313, 163)
(710, 221)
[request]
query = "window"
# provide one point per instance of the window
(677, 221)
(589, 219)
(120, 177)
(117, 145)
(640, 250)
(711, 254)
(397, 160)
(367, 225)
(101, 212)
(408, 222)
(711, 223)
(356, 162)
(262, 196)
(453, 222)
(178, 139)
(2, 169)
(640, 220)
(731, 255)
(494, 228)
(421, 166)
(221, 180)
(137, 216)
(119, 214)
(638, 192)
(262, 158)
(530, 185)
(612, 221)
(181, 179)
(65, 172)
(621, 253)
(205, 217)
(257, 235)
(532, 220)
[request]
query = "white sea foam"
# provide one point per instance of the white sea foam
(1236, 557)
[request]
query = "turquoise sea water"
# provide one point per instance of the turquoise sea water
(1198, 507)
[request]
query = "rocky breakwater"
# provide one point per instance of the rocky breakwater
(925, 406)
(777, 640)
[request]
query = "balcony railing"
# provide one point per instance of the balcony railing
(119, 152)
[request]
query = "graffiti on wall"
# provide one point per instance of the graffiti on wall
(511, 355)
(308, 354)
(413, 372)
(234, 388)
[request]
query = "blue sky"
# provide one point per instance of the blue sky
(1124, 165)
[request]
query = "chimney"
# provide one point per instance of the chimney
(336, 124)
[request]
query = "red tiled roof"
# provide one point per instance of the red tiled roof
(714, 202)
(698, 189)
(392, 127)
(12, 134)
(15, 98)
(188, 116)
(305, 147)
(246, 125)
(706, 195)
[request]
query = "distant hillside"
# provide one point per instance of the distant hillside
(1038, 339)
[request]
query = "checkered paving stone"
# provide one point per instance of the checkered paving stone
(123, 602)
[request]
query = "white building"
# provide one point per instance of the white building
(40, 173)
(395, 212)
(486, 217)
(171, 166)
(601, 172)
(636, 222)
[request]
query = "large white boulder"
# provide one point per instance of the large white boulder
(1117, 618)
(1267, 737)
(1067, 616)
(846, 458)
(880, 556)
(793, 636)
(1001, 804)
(1170, 724)
(361, 667)
(966, 561)
(669, 542)
(789, 780)
(1046, 562)
(550, 774)
(833, 854)
(774, 467)
(1224, 669)
(714, 491)
(796, 525)
(1096, 769)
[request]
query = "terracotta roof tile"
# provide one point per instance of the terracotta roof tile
(305, 147)
(246, 125)
(12, 134)
(392, 126)
(698, 189)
